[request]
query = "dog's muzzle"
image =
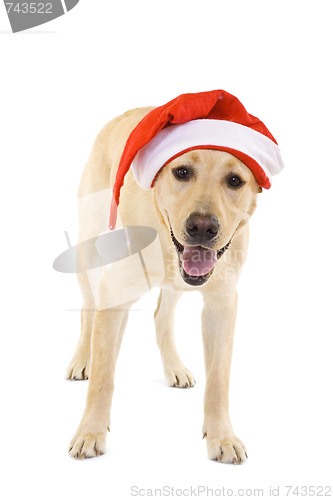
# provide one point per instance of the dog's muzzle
(196, 262)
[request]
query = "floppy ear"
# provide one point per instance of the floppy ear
(259, 189)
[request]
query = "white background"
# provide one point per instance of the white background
(60, 84)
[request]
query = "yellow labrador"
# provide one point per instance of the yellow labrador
(200, 206)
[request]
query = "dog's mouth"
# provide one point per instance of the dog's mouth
(196, 263)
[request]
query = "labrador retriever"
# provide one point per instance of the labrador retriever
(200, 206)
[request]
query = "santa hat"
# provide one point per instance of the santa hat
(206, 120)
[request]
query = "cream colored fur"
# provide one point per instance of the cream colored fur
(102, 330)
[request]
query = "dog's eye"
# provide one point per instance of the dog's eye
(234, 181)
(182, 173)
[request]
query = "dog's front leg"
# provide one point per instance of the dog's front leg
(108, 329)
(218, 323)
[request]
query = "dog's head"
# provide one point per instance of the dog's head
(204, 196)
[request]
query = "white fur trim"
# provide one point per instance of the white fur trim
(176, 138)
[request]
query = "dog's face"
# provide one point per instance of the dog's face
(204, 196)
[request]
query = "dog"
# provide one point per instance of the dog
(200, 206)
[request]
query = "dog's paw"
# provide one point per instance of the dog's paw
(87, 445)
(180, 377)
(229, 450)
(78, 369)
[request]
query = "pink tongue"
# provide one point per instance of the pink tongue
(198, 261)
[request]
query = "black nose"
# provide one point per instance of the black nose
(202, 227)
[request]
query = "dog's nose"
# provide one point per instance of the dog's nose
(202, 227)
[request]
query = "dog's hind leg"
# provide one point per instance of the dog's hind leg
(78, 369)
(176, 373)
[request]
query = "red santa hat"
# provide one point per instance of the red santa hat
(206, 120)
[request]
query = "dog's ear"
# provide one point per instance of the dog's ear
(259, 189)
